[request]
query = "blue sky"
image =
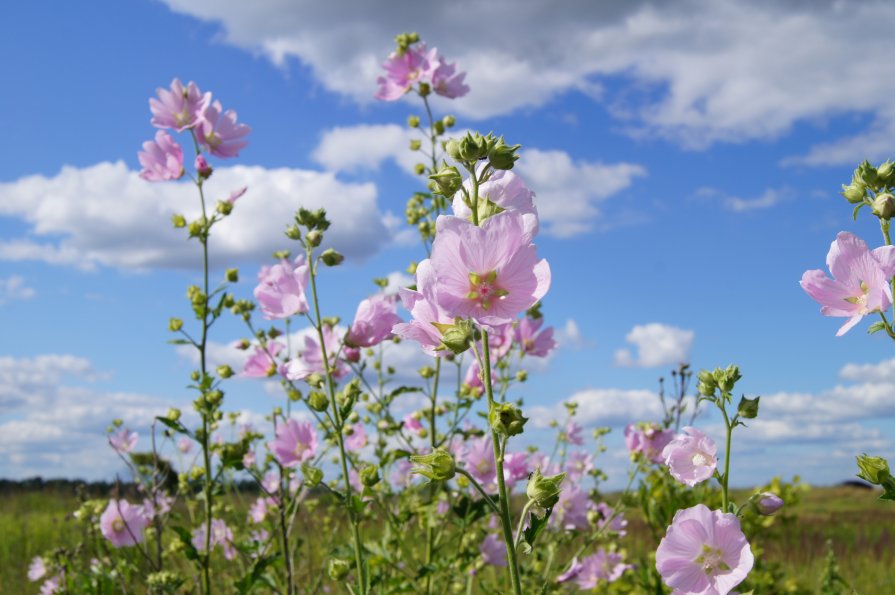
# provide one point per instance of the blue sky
(686, 159)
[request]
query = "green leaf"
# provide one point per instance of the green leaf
(876, 327)
(187, 540)
(174, 425)
(857, 208)
(533, 530)
(179, 342)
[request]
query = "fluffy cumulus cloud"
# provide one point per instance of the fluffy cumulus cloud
(695, 72)
(15, 288)
(603, 407)
(769, 198)
(106, 215)
(568, 192)
(657, 345)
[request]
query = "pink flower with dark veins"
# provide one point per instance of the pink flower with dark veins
(373, 321)
(162, 158)
(860, 283)
(704, 552)
(122, 523)
(180, 108)
(489, 273)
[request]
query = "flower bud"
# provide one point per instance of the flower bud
(315, 380)
(232, 275)
(706, 385)
(413, 121)
(748, 408)
(339, 569)
(331, 258)
(225, 371)
(766, 503)
(293, 232)
(456, 337)
(884, 206)
(472, 147)
(506, 419)
(178, 220)
(314, 238)
(867, 174)
(419, 169)
(214, 397)
(438, 465)
(197, 473)
(369, 476)
(452, 148)
(224, 207)
(175, 324)
(173, 414)
(873, 469)
(854, 193)
(544, 490)
(425, 89)
(203, 170)
(521, 375)
(313, 476)
(449, 121)
(446, 180)
(438, 125)
(415, 145)
(886, 173)
(503, 156)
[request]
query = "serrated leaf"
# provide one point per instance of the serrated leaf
(530, 534)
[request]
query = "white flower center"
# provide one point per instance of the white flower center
(700, 459)
(711, 561)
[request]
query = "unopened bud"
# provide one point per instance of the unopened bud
(313, 475)
(232, 275)
(437, 466)
(225, 371)
(314, 238)
(173, 414)
(884, 206)
(506, 419)
(425, 89)
(446, 180)
(203, 170)
(415, 145)
(178, 220)
(766, 503)
(369, 476)
(886, 173)
(175, 324)
(293, 232)
(449, 121)
(873, 469)
(331, 258)
(854, 193)
(544, 490)
(224, 207)
(502, 155)
(339, 569)
(413, 121)
(748, 408)
(456, 337)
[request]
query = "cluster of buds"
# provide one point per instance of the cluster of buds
(475, 147)
(724, 380)
(872, 186)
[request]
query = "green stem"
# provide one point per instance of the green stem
(725, 499)
(480, 489)
(337, 430)
(499, 448)
(430, 531)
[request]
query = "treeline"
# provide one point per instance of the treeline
(91, 489)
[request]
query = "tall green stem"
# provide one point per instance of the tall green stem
(725, 498)
(499, 448)
(430, 530)
(337, 430)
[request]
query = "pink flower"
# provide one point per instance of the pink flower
(180, 108)
(691, 459)
(505, 190)
(295, 443)
(532, 342)
(571, 510)
(162, 159)
(373, 321)
(158, 506)
(515, 468)
(281, 289)
(860, 280)
(203, 170)
(122, 523)
(493, 550)
(412, 423)
(52, 585)
(249, 459)
(618, 522)
(447, 82)
(37, 569)
(402, 71)
(221, 535)
(425, 310)
(574, 570)
(704, 552)
(500, 340)
(601, 566)
(270, 483)
(579, 465)
(220, 133)
(185, 445)
(262, 362)
(236, 194)
(358, 438)
(648, 439)
(310, 360)
(123, 441)
(258, 510)
(488, 273)
(573, 433)
(478, 456)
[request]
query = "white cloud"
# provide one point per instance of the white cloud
(14, 288)
(397, 280)
(694, 72)
(568, 192)
(767, 199)
(603, 407)
(106, 215)
(569, 336)
(657, 345)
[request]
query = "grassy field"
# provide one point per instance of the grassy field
(860, 527)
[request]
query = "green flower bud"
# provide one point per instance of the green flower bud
(178, 220)
(748, 408)
(313, 476)
(339, 569)
(544, 490)
(164, 581)
(419, 169)
(452, 148)
(413, 121)
(369, 475)
(294, 395)
(314, 238)
(503, 156)
(873, 469)
(886, 173)
(438, 125)
(456, 337)
(225, 371)
(472, 147)
(293, 232)
(331, 258)
(415, 145)
(173, 414)
(867, 174)
(521, 375)
(175, 324)
(449, 121)
(447, 180)
(854, 193)
(506, 419)
(425, 89)
(318, 401)
(214, 397)
(438, 465)
(884, 206)
(427, 372)
(195, 228)
(315, 380)
(224, 207)
(197, 473)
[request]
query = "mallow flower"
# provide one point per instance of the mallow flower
(281, 288)
(122, 523)
(262, 363)
(424, 310)
(704, 552)
(162, 158)
(532, 339)
(860, 283)
(402, 71)
(691, 457)
(493, 550)
(373, 321)
(123, 441)
(220, 133)
(294, 444)
(180, 107)
(502, 191)
(489, 273)
(220, 535)
(648, 439)
(588, 572)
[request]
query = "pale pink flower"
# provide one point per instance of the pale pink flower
(860, 283)
(573, 433)
(185, 445)
(704, 552)
(159, 505)
(506, 190)
(442, 508)
(401, 476)
(601, 566)
(447, 82)
(201, 166)
(402, 71)
(579, 465)
(358, 438)
(532, 340)
(123, 441)
(37, 569)
(424, 310)
(221, 535)
(478, 457)
(281, 289)
(220, 133)
(53, 585)
(618, 522)
(493, 550)
(488, 273)
(515, 468)
(262, 362)
(500, 340)
(249, 459)
(258, 510)
(270, 483)
(373, 321)
(180, 108)
(122, 523)
(473, 379)
(310, 359)
(162, 158)
(691, 457)
(236, 194)
(570, 512)
(295, 443)
(412, 423)
(574, 570)
(648, 440)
